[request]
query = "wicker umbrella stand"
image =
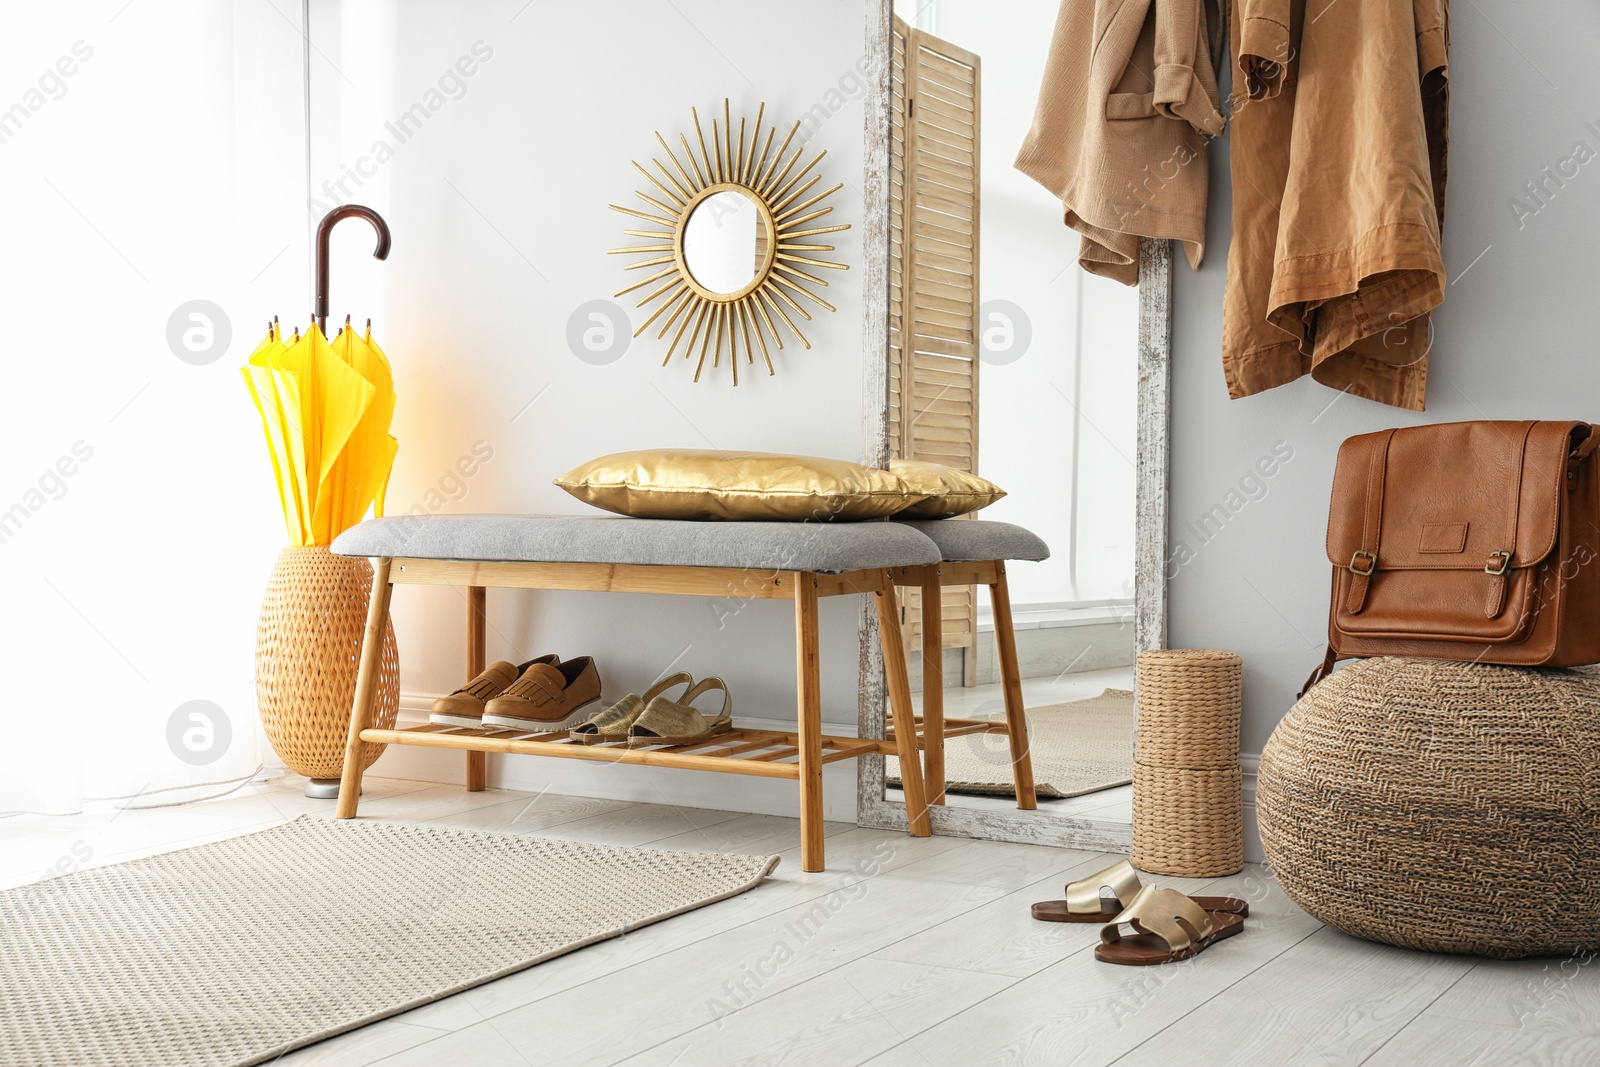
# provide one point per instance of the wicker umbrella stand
(308, 648)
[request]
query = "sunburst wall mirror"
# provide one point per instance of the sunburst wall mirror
(736, 249)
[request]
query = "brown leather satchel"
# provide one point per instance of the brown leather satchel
(1467, 541)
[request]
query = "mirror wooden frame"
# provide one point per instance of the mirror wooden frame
(1149, 618)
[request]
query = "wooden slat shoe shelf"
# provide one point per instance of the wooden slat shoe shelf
(800, 755)
(764, 753)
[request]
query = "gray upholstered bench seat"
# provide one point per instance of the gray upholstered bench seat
(816, 547)
(977, 540)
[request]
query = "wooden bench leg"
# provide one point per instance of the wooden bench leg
(919, 823)
(366, 689)
(808, 685)
(1005, 643)
(933, 684)
(477, 660)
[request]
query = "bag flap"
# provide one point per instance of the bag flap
(1450, 496)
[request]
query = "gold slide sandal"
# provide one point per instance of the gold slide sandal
(1167, 925)
(1118, 884)
(672, 722)
(613, 723)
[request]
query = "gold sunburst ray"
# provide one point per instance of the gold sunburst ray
(777, 338)
(803, 291)
(749, 303)
(656, 315)
(696, 317)
(647, 263)
(779, 206)
(787, 321)
(653, 180)
(658, 205)
(797, 272)
(779, 195)
(788, 228)
(755, 139)
(784, 235)
(784, 216)
(687, 303)
(784, 257)
(700, 135)
(657, 276)
(671, 285)
(687, 185)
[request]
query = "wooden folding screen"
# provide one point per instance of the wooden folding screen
(933, 277)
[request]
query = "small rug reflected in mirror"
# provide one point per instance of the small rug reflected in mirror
(238, 951)
(1078, 747)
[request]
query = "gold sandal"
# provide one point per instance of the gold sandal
(675, 722)
(1117, 885)
(1167, 926)
(613, 723)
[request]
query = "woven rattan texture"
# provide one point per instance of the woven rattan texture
(235, 952)
(1451, 807)
(1187, 789)
(308, 649)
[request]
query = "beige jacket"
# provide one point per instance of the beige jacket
(1338, 158)
(1128, 101)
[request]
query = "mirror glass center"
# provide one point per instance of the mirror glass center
(724, 241)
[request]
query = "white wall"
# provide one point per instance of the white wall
(1513, 340)
(501, 226)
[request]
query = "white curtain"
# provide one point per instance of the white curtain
(152, 157)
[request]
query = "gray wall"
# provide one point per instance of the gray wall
(1514, 339)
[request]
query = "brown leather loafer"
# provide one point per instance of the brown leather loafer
(465, 706)
(546, 697)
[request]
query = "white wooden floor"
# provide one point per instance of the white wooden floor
(905, 952)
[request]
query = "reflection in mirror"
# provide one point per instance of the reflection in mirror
(724, 241)
(1008, 360)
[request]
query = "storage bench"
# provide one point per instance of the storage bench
(801, 562)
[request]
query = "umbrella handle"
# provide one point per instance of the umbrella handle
(324, 229)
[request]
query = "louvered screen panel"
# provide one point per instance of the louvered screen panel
(934, 221)
(897, 160)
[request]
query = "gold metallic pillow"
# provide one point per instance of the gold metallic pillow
(946, 491)
(703, 483)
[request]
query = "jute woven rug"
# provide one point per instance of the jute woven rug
(1079, 747)
(236, 952)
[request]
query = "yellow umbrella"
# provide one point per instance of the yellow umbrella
(326, 408)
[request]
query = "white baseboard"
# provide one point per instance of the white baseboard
(1250, 764)
(664, 785)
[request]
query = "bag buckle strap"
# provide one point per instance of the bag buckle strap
(1363, 565)
(1495, 597)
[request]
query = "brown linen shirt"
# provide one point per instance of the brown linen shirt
(1128, 101)
(1338, 160)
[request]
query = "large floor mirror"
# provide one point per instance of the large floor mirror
(1003, 357)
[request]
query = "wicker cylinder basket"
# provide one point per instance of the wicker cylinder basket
(308, 648)
(1450, 807)
(1187, 788)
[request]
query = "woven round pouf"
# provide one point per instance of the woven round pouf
(1450, 807)
(308, 650)
(1187, 788)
